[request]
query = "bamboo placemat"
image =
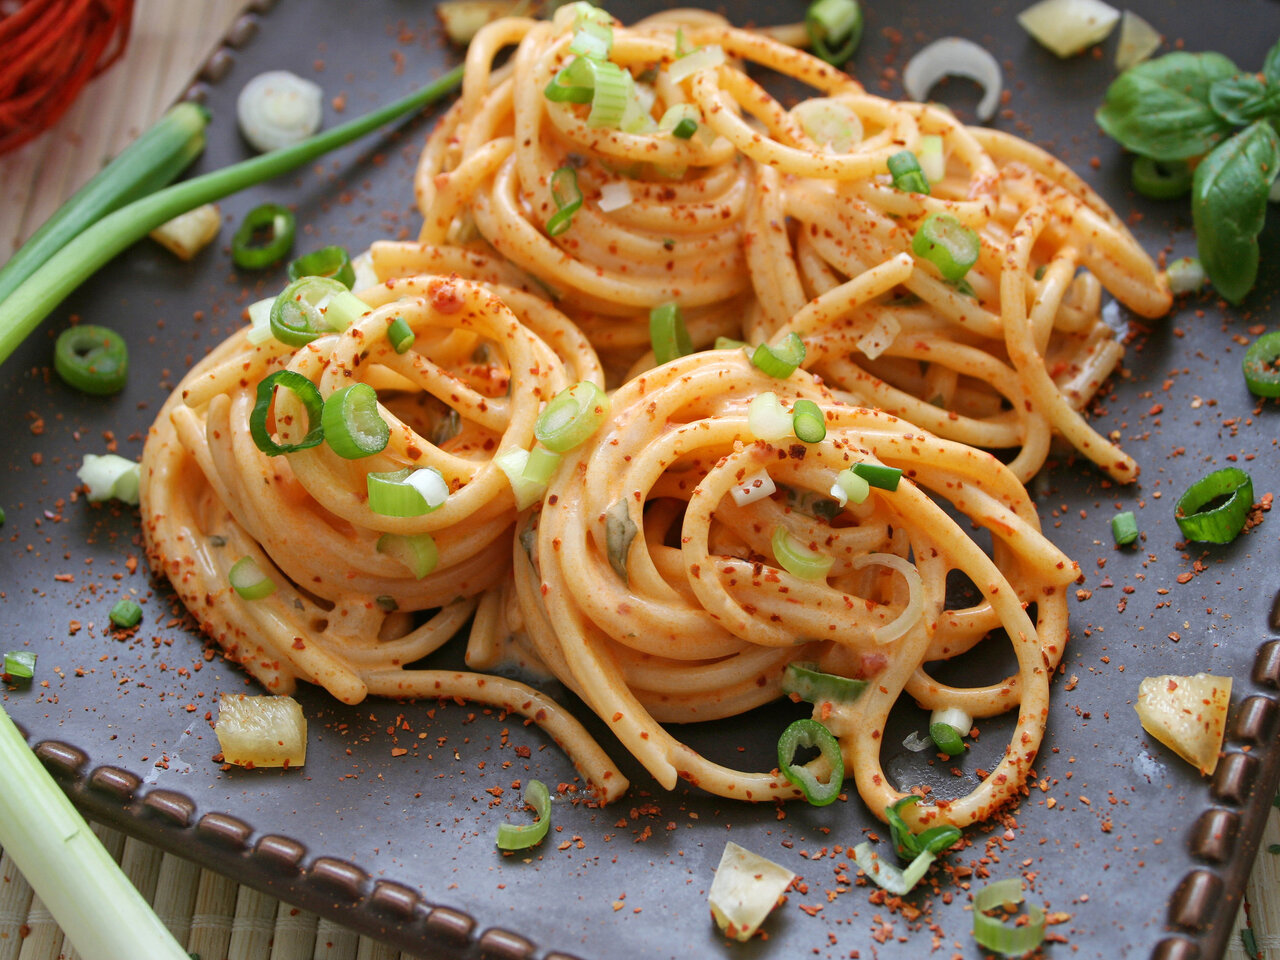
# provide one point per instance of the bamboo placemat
(215, 917)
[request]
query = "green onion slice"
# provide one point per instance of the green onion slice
(1185, 275)
(907, 174)
(947, 739)
(400, 336)
(352, 426)
(810, 733)
(567, 197)
(417, 552)
(519, 837)
(994, 933)
(796, 558)
(1161, 180)
(1124, 528)
(835, 29)
(909, 845)
(685, 129)
(574, 84)
(808, 424)
(933, 162)
(1202, 518)
(948, 244)
(332, 262)
(668, 334)
(886, 875)
(809, 683)
(878, 475)
(766, 419)
(265, 236)
(572, 416)
(110, 476)
(248, 580)
(312, 306)
(125, 614)
(406, 492)
(1262, 366)
(19, 665)
(541, 464)
(728, 343)
(514, 462)
(91, 359)
(850, 487)
(780, 361)
(305, 391)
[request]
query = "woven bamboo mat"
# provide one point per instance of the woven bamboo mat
(215, 917)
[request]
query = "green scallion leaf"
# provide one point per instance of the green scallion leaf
(1124, 528)
(125, 614)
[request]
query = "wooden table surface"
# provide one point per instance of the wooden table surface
(218, 920)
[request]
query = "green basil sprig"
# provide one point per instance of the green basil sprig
(1244, 98)
(1229, 205)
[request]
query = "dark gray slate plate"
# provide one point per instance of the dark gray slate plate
(1146, 857)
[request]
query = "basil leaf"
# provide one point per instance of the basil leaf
(1271, 66)
(1244, 98)
(1229, 205)
(1161, 109)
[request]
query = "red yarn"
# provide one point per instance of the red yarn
(50, 50)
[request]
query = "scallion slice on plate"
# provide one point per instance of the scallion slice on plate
(1215, 507)
(573, 415)
(994, 931)
(249, 581)
(812, 734)
(522, 836)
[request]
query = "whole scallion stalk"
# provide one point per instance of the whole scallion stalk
(97, 907)
(152, 161)
(41, 293)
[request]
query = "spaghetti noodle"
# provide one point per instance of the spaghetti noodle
(648, 578)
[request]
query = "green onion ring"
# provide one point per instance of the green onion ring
(19, 665)
(91, 359)
(352, 425)
(1222, 523)
(572, 416)
(400, 335)
(839, 21)
(521, 836)
(125, 614)
(947, 739)
(567, 197)
(668, 334)
(782, 360)
(1261, 369)
(271, 218)
(1124, 528)
(876, 475)
(332, 262)
(296, 318)
(948, 244)
(807, 421)
(993, 932)
(906, 173)
(795, 556)
(305, 391)
(248, 580)
(809, 683)
(1161, 180)
(810, 733)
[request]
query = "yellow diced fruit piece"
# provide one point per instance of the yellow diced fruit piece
(262, 731)
(1187, 714)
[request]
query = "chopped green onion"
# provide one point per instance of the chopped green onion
(933, 162)
(125, 614)
(612, 89)
(19, 665)
(573, 415)
(829, 123)
(797, 558)
(808, 422)
(592, 38)
(766, 419)
(260, 321)
(947, 739)
(1124, 528)
(1185, 275)
(406, 492)
(30, 303)
(948, 244)
(248, 580)
(541, 464)
(386, 603)
(418, 552)
(1, 516)
(811, 504)
(332, 262)
(619, 531)
(685, 129)
(728, 343)
(780, 361)
(352, 426)
(400, 336)
(265, 236)
(835, 29)
(881, 477)
(306, 392)
(1161, 180)
(704, 58)
(110, 477)
(668, 334)
(907, 844)
(574, 84)
(1262, 365)
(1199, 518)
(92, 359)
(567, 197)
(809, 683)
(520, 837)
(906, 173)
(886, 875)
(850, 487)
(513, 463)
(994, 933)
(810, 733)
(309, 307)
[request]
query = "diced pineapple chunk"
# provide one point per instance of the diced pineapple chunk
(262, 731)
(1187, 714)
